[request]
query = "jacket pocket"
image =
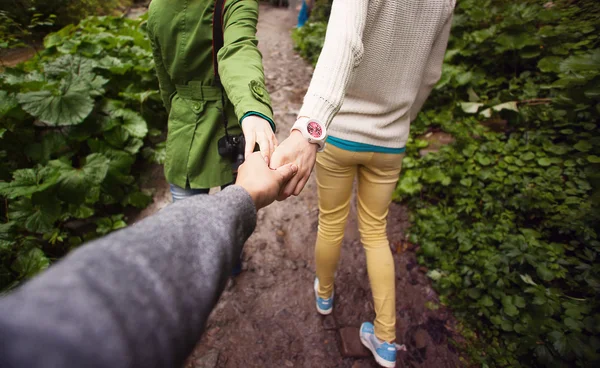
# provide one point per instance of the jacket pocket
(183, 119)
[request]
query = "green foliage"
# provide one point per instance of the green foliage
(320, 10)
(309, 40)
(14, 34)
(67, 11)
(507, 220)
(74, 121)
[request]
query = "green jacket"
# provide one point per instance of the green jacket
(181, 35)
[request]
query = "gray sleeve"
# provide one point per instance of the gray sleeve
(139, 297)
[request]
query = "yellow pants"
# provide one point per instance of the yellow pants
(377, 178)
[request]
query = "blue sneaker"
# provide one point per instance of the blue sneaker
(383, 352)
(324, 306)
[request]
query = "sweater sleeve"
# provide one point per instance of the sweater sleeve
(139, 297)
(342, 52)
(433, 70)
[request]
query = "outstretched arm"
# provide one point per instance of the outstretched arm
(342, 52)
(139, 297)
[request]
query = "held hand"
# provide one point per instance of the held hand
(298, 150)
(262, 183)
(258, 130)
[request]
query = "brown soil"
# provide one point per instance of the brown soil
(13, 57)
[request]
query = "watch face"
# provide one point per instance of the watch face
(314, 129)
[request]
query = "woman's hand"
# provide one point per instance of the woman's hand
(258, 131)
(295, 149)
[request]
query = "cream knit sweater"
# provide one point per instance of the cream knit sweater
(380, 60)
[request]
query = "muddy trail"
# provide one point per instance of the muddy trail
(267, 316)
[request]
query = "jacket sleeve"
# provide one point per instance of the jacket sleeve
(139, 297)
(166, 86)
(240, 61)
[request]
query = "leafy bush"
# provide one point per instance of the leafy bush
(507, 216)
(67, 11)
(73, 124)
(309, 40)
(320, 11)
(507, 220)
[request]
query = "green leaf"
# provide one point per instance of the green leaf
(482, 159)
(70, 101)
(117, 137)
(515, 41)
(89, 49)
(81, 211)
(520, 302)
(37, 214)
(119, 225)
(30, 262)
(138, 199)
(573, 324)
(114, 65)
(134, 123)
(508, 306)
(28, 181)
(435, 175)
(139, 97)
(7, 103)
(76, 184)
(467, 182)
(68, 105)
(486, 301)
(511, 105)
(581, 63)
(104, 226)
(544, 161)
(470, 107)
(50, 144)
(409, 185)
(434, 275)
(583, 146)
(559, 342)
(474, 293)
(550, 64)
(544, 273)
(528, 156)
(593, 159)
(134, 145)
(528, 280)
(463, 78)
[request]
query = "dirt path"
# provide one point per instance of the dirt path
(267, 317)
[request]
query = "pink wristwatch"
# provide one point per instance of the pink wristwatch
(313, 130)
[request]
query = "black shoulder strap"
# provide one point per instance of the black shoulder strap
(218, 40)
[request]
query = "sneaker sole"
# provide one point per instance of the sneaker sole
(323, 312)
(378, 359)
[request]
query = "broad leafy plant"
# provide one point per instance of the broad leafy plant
(75, 122)
(507, 216)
